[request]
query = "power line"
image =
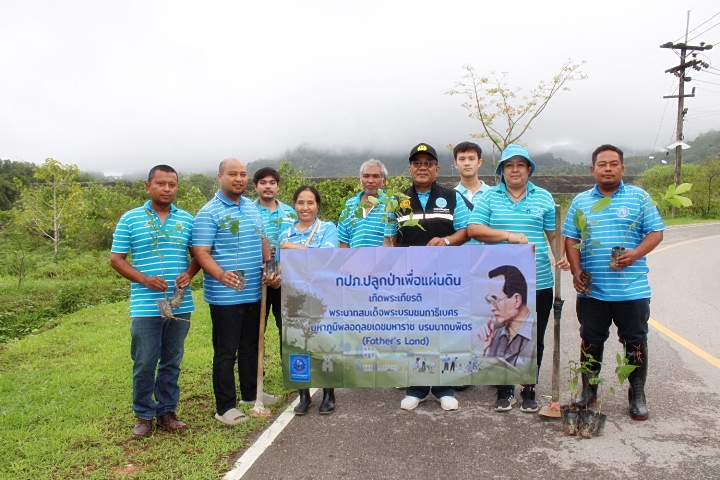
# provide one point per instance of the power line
(696, 36)
(683, 36)
(703, 81)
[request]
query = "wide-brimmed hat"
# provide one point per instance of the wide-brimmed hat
(511, 151)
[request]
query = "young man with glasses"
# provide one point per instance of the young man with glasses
(443, 213)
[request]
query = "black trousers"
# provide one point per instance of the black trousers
(235, 331)
(630, 316)
(543, 307)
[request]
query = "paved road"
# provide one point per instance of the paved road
(369, 436)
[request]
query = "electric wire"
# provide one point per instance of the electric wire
(696, 36)
(682, 36)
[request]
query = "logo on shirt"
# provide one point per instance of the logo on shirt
(623, 212)
(441, 202)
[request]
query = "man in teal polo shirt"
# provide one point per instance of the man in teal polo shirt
(277, 217)
(368, 230)
(158, 236)
(621, 297)
(468, 160)
(229, 245)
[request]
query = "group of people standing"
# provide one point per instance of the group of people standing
(232, 237)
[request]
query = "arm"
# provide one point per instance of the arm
(490, 235)
(560, 260)
(457, 238)
(647, 245)
(119, 262)
(343, 245)
(210, 266)
(573, 257)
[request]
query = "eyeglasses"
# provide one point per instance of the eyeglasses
(418, 164)
(493, 300)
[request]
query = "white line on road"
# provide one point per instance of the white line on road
(253, 452)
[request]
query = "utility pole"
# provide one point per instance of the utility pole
(679, 71)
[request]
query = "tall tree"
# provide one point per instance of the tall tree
(504, 113)
(53, 203)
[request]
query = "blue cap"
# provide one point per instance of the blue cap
(513, 150)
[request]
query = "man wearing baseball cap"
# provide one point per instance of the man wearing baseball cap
(443, 213)
(516, 211)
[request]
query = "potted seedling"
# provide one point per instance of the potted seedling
(234, 226)
(583, 225)
(671, 196)
(570, 413)
(593, 424)
(166, 305)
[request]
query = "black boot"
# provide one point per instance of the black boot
(637, 354)
(305, 401)
(588, 394)
(328, 404)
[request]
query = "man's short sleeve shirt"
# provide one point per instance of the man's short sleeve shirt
(278, 221)
(474, 199)
(365, 231)
(241, 251)
(167, 259)
(630, 205)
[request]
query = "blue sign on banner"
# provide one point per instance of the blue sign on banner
(299, 370)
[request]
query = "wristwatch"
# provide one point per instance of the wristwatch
(447, 242)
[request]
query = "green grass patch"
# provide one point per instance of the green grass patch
(66, 395)
(687, 221)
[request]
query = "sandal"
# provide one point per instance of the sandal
(232, 417)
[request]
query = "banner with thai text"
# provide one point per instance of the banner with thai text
(381, 317)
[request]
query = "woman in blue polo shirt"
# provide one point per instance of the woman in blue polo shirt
(516, 211)
(310, 232)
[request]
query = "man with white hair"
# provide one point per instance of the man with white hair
(361, 222)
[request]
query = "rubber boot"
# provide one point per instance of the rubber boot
(328, 404)
(305, 402)
(588, 394)
(637, 354)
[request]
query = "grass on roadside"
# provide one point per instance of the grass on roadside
(687, 221)
(65, 404)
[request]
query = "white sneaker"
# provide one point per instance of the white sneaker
(267, 399)
(448, 403)
(409, 403)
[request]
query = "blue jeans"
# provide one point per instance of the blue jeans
(157, 345)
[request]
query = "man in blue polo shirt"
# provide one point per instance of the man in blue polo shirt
(158, 236)
(622, 296)
(277, 217)
(368, 230)
(228, 244)
(468, 160)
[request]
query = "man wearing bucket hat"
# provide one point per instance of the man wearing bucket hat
(620, 297)
(517, 211)
(443, 214)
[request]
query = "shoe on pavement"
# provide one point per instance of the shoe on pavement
(448, 402)
(409, 402)
(171, 423)
(528, 405)
(267, 399)
(505, 399)
(142, 429)
(232, 417)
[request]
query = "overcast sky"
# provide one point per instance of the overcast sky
(118, 86)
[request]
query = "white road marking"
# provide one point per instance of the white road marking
(253, 452)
